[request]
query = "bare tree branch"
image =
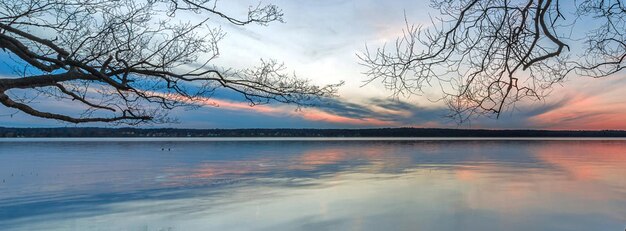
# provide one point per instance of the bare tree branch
(128, 61)
(489, 54)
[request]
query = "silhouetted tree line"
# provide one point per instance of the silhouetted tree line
(380, 132)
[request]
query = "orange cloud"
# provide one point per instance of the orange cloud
(584, 113)
(590, 105)
(311, 114)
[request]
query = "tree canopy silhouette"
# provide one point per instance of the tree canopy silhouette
(129, 61)
(486, 55)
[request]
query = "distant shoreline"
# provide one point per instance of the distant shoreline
(306, 139)
(76, 132)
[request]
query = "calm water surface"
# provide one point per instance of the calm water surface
(324, 184)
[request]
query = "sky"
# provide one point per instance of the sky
(319, 41)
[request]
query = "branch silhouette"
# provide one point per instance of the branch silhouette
(131, 61)
(487, 55)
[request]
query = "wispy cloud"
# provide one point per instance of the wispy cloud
(319, 41)
(311, 114)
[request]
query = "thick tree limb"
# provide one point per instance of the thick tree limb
(130, 56)
(6, 101)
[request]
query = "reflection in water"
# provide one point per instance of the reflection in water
(313, 185)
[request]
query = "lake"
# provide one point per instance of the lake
(312, 184)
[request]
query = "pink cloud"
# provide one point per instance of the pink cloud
(596, 106)
(311, 114)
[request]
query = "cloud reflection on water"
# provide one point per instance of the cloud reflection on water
(297, 185)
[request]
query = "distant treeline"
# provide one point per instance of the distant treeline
(380, 132)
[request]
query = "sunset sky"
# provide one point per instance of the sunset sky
(319, 41)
